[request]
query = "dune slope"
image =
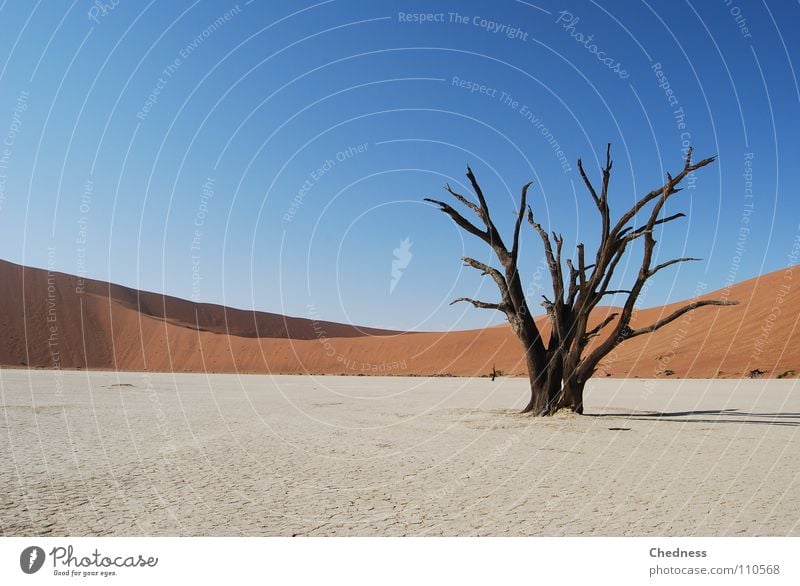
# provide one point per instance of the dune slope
(53, 320)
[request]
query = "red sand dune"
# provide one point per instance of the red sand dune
(47, 323)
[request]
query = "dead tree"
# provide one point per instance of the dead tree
(558, 370)
(512, 297)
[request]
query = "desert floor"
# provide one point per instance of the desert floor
(189, 454)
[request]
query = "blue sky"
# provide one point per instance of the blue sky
(273, 155)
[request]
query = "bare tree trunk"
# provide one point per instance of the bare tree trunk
(572, 395)
(538, 403)
(574, 380)
(540, 397)
(555, 374)
(546, 388)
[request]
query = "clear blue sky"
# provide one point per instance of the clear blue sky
(358, 112)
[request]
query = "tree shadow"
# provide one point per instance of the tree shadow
(788, 419)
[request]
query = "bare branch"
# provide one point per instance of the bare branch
(588, 183)
(481, 304)
(578, 278)
(553, 259)
(488, 270)
(520, 216)
(573, 272)
(465, 201)
(606, 175)
(609, 273)
(581, 264)
(558, 285)
(574, 282)
(619, 237)
(669, 263)
(548, 246)
(461, 220)
(665, 190)
(631, 233)
(495, 241)
(599, 327)
(549, 308)
(642, 229)
(477, 188)
(676, 314)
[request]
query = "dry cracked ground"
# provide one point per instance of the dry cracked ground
(161, 454)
